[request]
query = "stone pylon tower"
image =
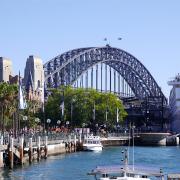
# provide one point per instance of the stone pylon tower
(5, 69)
(34, 76)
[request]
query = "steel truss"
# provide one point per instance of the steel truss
(66, 68)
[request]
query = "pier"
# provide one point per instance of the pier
(18, 151)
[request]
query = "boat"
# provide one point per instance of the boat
(92, 143)
(126, 172)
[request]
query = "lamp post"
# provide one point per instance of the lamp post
(37, 120)
(67, 124)
(83, 125)
(58, 123)
(48, 122)
(25, 118)
(96, 125)
(72, 101)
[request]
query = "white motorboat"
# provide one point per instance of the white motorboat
(92, 143)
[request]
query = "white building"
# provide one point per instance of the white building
(5, 69)
(174, 103)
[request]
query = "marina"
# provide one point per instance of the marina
(75, 166)
(27, 149)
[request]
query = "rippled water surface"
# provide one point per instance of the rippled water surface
(75, 166)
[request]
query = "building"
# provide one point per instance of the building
(34, 78)
(174, 103)
(5, 69)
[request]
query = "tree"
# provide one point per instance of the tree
(79, 105)
(8, 103)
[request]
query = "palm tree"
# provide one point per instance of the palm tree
(8, 103)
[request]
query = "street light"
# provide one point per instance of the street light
(96, 125)
(67, 123)
(48, 122)
(37, 120)
(72, 101)
(25, 118)
(58, 122)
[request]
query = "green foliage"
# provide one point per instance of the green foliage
(8, 103)
(9, 107)
(82, 102)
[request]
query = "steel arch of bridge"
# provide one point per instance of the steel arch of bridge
(69, 66)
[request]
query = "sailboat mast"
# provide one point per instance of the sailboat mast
(133, 143)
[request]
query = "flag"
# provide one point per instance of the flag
(42, 95)
(62, 108)
(22, 101)
(117, 115)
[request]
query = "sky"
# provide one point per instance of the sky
(150, 30)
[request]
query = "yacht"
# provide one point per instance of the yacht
(125, 172)
(92, 143)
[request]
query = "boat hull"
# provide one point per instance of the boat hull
(124, 178)
(92, 148)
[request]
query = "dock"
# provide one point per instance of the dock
(21, 150)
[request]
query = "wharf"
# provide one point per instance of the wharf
(22, 150)
(119, 140)
(156, 139)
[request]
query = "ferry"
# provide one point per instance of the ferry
(92, 143)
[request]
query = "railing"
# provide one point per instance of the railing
(60, 137)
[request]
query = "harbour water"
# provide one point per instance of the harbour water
(75, 166)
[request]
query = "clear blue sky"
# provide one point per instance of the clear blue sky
(150, 30)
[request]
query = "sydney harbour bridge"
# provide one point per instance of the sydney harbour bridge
(109, 69)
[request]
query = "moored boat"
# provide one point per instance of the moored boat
(92, 143)
(126, 172)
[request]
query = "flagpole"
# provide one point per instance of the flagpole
(63, 107)
(17, 124)
(21, 105)
(43, 110)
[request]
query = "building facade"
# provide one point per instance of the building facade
(5, 69)
(34, 78)
(174, 103)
